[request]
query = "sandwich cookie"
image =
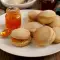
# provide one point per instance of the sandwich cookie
(20, 37)
(56, 22)
(44, 36)
(33, 15)
(57, 32)
(32, 26)
(46, 17)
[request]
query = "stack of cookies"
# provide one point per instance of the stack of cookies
(43, 29)
(44, 26)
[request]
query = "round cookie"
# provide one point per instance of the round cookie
(57, 32)
(46, 16)
(56, 22)
(20, 37)
(44, 36)
(33, 14)
(32, 26)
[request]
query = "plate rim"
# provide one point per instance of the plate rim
(29, 56)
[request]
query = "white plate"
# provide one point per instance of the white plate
(30, 50)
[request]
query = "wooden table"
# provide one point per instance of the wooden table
(6, 56)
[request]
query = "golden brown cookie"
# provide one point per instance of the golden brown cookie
(44, 36)
(46, 16)
(33, 14)
(20, 37)
(32, 26)
(56, 22)
(57, 32)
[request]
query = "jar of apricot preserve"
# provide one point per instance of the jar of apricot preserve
(12, 18)
(12, 21)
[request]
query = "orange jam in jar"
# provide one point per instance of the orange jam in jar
(13, 18)
(12, 21)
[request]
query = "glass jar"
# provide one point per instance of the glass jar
(12, 21)
(12, 18)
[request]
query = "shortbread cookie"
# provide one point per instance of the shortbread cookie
(44, 36)
(56, 22)
(33, 15)
(47, 16)
(57, 32)
(32, 26)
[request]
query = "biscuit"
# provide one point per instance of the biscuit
(20, 37)
(57, 32)
(44, 36)
(46, 17)
(56, 22)
(33, 15)
(32, 26)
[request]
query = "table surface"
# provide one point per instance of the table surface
(6, 56)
